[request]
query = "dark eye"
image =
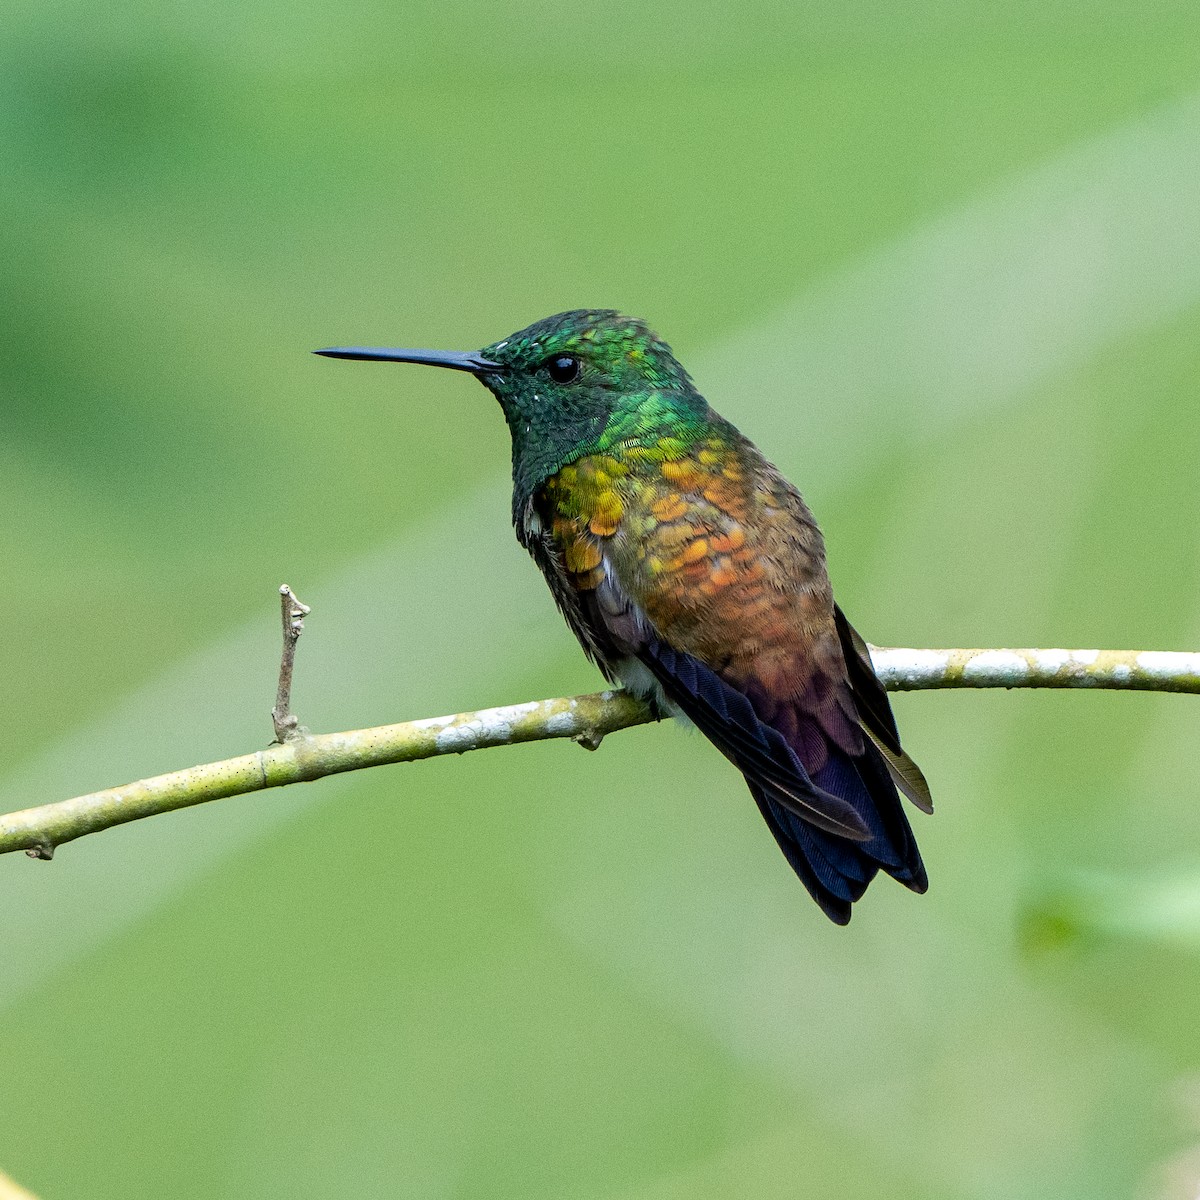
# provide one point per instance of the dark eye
(562, 368)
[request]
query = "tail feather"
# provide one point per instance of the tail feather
(833, 891)
(909, 870)
(824, 789)
(837, 871)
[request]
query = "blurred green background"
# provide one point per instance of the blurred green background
(941, 259)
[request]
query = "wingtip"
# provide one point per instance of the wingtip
(905, 773)
(821, 809)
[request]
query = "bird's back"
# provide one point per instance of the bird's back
(693, 558)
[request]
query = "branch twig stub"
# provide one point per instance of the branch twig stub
(293, 611)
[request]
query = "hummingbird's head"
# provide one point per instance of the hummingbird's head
(585, 359)
(568, 384)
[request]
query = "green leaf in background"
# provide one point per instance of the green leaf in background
(1162, 908)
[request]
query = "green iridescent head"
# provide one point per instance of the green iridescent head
(569, 385)
(609, 352)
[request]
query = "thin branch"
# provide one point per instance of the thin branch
(39, 830)
(287, 725)
(1132, 670)
(586, 719)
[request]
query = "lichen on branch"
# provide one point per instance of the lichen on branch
(586, 719)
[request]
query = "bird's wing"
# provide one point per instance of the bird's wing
(875, 712)
(728, 719)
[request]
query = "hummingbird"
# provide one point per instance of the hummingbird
(693, 574)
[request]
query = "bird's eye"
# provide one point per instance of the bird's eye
(562, 368)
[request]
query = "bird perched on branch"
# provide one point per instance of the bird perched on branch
(693, 574)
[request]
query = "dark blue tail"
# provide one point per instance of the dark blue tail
(838, 824)
(836, 870)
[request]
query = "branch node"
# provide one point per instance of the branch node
(43, 850)
(293, 612)
(589, 739)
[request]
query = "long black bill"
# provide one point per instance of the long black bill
(456, 360)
